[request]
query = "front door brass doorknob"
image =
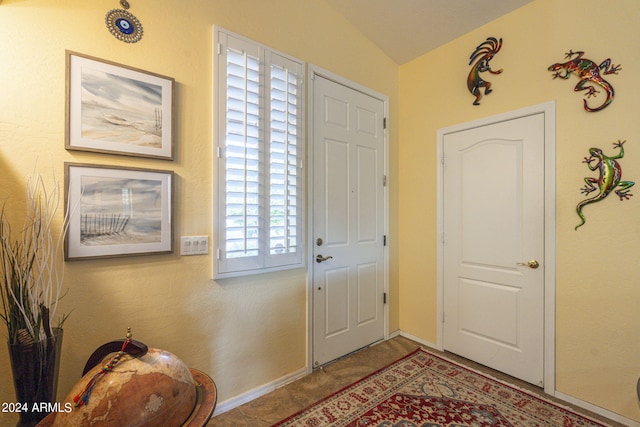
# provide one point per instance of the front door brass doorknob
(321, 258)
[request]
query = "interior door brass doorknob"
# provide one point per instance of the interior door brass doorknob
(531, 264)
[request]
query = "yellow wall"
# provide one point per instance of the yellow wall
(244, 332)
(598, 288)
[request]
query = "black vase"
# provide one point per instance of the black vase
(35, 368)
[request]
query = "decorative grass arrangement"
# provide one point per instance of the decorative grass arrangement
(31, 267)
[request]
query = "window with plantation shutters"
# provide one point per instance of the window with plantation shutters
(259, 185)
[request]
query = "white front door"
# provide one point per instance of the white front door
(348, 218)
(493, 222)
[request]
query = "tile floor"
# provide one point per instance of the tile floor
(287, 400)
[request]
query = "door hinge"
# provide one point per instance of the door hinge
(384, 297)
(442, 160)
(384, 180)
(384, 240)
(384, 123)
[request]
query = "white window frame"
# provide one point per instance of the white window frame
(261, 257)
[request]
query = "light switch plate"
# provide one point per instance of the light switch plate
(194, 245)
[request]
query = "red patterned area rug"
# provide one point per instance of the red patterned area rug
(425, 390)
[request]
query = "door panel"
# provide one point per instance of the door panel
(336, 283)
(493, 224)
(368, 220)
(368, 297)
(497, 325)
(336, 192)
(348, 217)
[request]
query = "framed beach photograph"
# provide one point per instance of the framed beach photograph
(112, 108)
(117, 211)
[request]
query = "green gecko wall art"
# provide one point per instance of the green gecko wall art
(609, 179)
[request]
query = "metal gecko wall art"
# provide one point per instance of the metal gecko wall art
(609, 179)
(483, 54)
(588, 72)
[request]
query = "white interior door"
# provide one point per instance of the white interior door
(494, 245)
(348, 218)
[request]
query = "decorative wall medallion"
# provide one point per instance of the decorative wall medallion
(124, 25)
(589, 73)
(483, 54)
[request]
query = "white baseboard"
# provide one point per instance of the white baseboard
(596, 409)
(259, 391)
(419, 340)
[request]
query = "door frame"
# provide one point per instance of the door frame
(549, 111)
(312, 72)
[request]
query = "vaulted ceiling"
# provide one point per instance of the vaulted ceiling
(406, 29)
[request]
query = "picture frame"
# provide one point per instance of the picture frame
(117, 211)
(116, 109)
